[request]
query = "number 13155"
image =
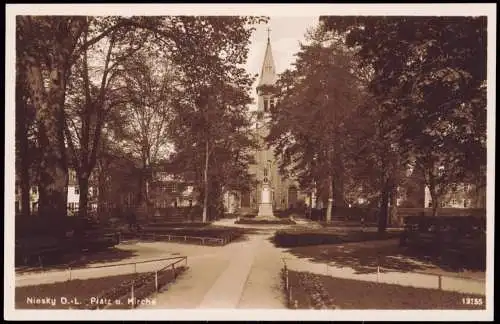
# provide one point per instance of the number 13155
(472, 301)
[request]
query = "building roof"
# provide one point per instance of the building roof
(268, 72)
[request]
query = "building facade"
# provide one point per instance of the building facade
(73, 196)
(284, 192)
(165, 191)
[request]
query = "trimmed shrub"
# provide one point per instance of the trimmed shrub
(291, 238)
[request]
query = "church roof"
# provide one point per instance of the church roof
(268, 72)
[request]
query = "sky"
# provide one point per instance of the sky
(285, 34)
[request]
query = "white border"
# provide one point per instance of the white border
(302, 10)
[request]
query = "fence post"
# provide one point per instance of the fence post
(132, 294)
(440, 283)
(378, 273)
(173, 270)
(156, 280)
(135, 268)
(69, 273)
(40, 261)
(286, 279)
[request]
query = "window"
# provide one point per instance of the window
(72, 176)
(453, 201)
(171, 187)
(35, 190)
(266, 104)
(77, 190)
(265, 172)
(272, 104)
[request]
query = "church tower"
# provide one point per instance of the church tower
(272, 191)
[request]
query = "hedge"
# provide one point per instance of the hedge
(292, 238)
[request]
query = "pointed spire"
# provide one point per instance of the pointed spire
(268, 72)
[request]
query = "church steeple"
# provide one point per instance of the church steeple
(268, 72)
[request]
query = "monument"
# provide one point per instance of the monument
(266, 204)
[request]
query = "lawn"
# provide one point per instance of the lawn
(319, 291)
(85, 294)
(365, 257)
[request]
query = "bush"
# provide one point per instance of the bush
(286, 238)
(447, 236)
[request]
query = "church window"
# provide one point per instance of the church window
(265, 172)
(272, 104)
(266, 104)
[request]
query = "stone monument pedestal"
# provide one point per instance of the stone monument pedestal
(266, 206)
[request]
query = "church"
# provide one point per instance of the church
(283, 192)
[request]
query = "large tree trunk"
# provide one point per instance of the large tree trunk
(101, 190)
(50, 120)
(435, 200)
(339, 181)
(329, 208)
(83, 183)
(48, 96)
(53, 186)
(393, 218)
(24, 161)
(382, 217)
(205, 184)
(433, 191)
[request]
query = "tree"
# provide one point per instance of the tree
(150, 83)
(430, 75)
(214, 88)
(309, 127)
(88, 104)
(26, 146)
(48, 47)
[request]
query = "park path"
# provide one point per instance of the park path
(244, 274)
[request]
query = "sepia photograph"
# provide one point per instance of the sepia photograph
(265, 162)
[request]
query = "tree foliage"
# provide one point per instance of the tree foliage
(429, 81)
